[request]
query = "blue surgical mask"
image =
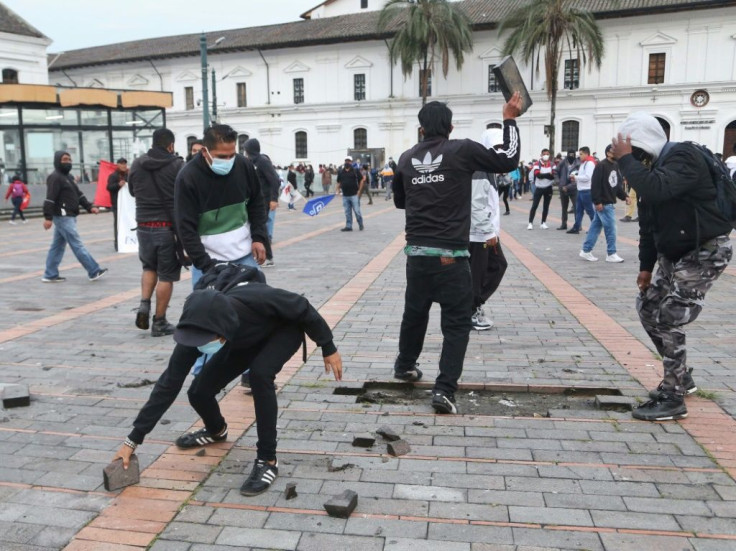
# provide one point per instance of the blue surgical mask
(222, 166)
(211, 348)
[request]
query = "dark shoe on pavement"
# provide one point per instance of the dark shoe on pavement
(666, 407)
(562, 228)
(409, 375)
(625, 219)
(57, 279)
(260, 478)
(199, 438)
(347, 229)
(143, 315)
(362, 227)
(160, 327)
(506, 213)
(573, 231)
(442, 403)
(99, 274)
(687, 382)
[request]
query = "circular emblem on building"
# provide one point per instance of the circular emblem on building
(700, 98)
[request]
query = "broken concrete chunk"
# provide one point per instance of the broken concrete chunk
(388, 433)
(399, 447)
(14, 395)
(115, 477)
(365, 440)
(342, 505)
(290, 491)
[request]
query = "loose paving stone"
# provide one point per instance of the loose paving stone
(116, 476)
(14, 395)
(290, 491)
(365, 440)
(388, 433)
(399, 447)
(342, 505)
(614, 402)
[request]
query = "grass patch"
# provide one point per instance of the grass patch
(708, 395)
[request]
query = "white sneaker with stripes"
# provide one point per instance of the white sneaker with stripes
(199, 438)
(260, 479)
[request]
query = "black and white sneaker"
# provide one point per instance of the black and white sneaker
(57, 279)
(101, 272)
(409, 375)
(442, 403)
(687, 382)
(260, 478)
(201, 437)
(666, 407)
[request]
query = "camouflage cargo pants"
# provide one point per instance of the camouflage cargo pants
(675, 298)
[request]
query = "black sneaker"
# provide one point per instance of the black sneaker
(666, 407)
(98, 275)
(562, 228)
(260, 478)
(442, 403)
(410, 375)
(347, 229)
(143, 315)
(57, 279)
(687, 382)
(160, 327)
(573, 231)
(200, 437)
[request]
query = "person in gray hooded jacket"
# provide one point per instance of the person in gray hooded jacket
(681, 230)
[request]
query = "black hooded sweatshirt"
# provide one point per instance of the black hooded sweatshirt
(269, 178)
(246, 315)
(63, 197)
(165, 166)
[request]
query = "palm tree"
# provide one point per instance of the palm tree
(426, 28)
(551, 27)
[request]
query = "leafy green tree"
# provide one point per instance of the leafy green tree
(548, 28)
(426, 30)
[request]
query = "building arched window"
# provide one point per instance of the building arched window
(10, 76)
(570, 135)
(360, 138)
(300, 145)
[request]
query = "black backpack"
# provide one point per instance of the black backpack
(226, 275)
(722, 180)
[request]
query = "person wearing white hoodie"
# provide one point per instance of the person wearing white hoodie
(487, 261)
(682, 231)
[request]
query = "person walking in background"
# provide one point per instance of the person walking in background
(544, 178)
(365, 174)
(605, 186)
(387, 175)
(16, 192)
(350, 182)
(308, 181)
(503, 183)
(60, 210)
(568, 188)
(152, 178)
(270, 187)
(115, 182)
(487, 261)
(584, 201)
(291, 180)
(326, 179)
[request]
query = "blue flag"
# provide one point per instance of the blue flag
(314, 206)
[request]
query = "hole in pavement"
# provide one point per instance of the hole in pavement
(489, 402)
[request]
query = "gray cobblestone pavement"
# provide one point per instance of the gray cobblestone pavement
(584, 479)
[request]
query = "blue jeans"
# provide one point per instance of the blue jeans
(65, 231)
(583, 203)
(605, 220)
(351, 204)
(270, 223)
(247, 260)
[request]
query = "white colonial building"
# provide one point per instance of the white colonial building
(22, 50)
(314, 89)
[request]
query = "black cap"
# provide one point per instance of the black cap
(122, 160)
(193, 336)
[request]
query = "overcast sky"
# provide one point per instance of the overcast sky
(73, 24)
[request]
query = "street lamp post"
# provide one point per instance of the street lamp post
(205, 98)
(205, 94)
(214, 97)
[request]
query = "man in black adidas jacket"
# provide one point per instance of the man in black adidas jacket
(251, 326)
(681, 229)
(433, 183)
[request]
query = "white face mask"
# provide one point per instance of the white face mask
(545, 158)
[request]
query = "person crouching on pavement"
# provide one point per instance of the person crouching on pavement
(251, 326)
(682, 230)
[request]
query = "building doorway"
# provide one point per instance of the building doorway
(729, 140)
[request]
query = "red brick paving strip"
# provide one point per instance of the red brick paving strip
(157, 499)
(707, 423)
